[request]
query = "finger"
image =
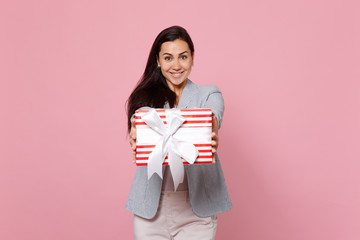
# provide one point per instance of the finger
(215, 138)
(134, 157)
(215, 125)
(133, 130)
(132, 139)
(133, 123)
(133, 136)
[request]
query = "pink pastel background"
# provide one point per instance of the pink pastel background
(290, 142)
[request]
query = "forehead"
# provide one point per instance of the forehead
(174, 47)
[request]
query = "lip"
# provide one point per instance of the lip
(176, 74)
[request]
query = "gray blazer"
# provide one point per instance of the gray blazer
(206, 184)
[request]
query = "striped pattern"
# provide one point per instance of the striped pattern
(196, 117)
(196, 129)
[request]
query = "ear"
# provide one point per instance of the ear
(157, 60)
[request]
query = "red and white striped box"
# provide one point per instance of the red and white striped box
(196, 129)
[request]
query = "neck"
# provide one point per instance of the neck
(178, 91)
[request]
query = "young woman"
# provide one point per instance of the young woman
(191, 211)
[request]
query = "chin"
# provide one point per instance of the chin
(177, 82)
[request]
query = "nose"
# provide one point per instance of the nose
(176, 65)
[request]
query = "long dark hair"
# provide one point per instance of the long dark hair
(152, 89)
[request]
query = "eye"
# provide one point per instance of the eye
(184, 57)
(167, 58)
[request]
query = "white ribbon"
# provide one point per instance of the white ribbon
(169, 146)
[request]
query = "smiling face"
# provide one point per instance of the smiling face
(175, 60)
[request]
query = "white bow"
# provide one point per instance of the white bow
(169, 146)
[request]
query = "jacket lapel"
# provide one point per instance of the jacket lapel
(187, 94)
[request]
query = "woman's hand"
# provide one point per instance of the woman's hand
(214, 137)
(132, 139)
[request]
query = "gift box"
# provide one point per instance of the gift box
(174, 128)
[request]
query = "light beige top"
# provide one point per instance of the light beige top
(168, 182)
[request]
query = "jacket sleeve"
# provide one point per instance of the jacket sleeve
(215, 101)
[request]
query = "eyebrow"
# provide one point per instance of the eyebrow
(171, 54)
